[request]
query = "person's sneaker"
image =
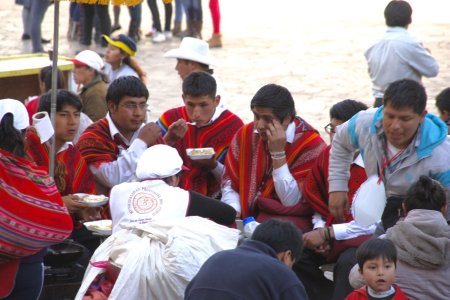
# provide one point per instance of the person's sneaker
(168, 35)
(25, 37)
(158, 37)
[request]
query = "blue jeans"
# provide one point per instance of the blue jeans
(37, 13)
(29, 281)
(179, 10)
(135, 21)
(193, 9)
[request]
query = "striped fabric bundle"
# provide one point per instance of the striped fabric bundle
(217, 135)
(32, 212)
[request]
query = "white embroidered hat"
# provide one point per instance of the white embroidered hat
(159, 161)
(193, 49)
(21, 119)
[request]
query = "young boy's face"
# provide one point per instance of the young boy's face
(379, 273)
(66, 123)
(200, 109)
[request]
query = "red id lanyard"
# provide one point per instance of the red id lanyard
(386, 162)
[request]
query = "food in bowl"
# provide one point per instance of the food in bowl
(200, 153)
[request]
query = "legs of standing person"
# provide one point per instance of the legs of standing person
(168, 9)
(345, 262)
(29, 281)
(116, 25)
(157, 36)
(216, 39)
(87, 23)
(26, 13)
(135, 21)
(317, 286)
(178, 17)
(102, 12)
(197, 18)
(38, 9)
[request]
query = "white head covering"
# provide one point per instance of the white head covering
(159, 161)
(21, 119)
(89, 58)
(193, 49)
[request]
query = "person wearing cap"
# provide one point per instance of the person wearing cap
(32, 213)
(113, 145)
(119, 60)
(214, 127)
(194, 55)
(88, 72)
(156, 196)
(269, 158)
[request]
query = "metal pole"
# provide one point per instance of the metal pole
(54, 86)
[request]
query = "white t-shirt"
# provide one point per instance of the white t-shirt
(142, 202)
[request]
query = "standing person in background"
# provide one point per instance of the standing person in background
(119, 58)
(32, 213)
(32, 16)
(194, 18)
(87, 22)
(398, 55)
(158, 35)
(269, 158)
(88, 71)
(179, 11)
(116, 23)
(216, 40)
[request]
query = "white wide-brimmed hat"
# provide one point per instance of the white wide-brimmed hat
(193, 49)
(159, 161)
(21, 119)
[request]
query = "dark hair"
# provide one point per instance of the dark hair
(276, 97)
(398, 13)
(426, 193)
(374, 248)
(11, 139)
(203, 67)
(280, 236)
(443, 100)
(63, 98)
(126, 86)
(45, 76)
(199, 84)
(346, 109)
(406, 93)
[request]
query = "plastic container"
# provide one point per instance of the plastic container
(250, 225)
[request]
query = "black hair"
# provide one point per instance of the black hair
(443, 100)
(426, 193)
(280, 236)
(276, 97)
(406, 93)
(346, 109)
(375, 248)
(199, 84)
(63, 98)
(126, 86)
(11, 139)
(203, 67)
(45, 76)
(398, 13)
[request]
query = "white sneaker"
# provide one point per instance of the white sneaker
(168, 35)
(158, 37)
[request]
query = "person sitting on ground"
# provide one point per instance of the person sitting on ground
(422, 240)
(268, 160)
(157, 195)
(194, 55)
(331, 242)
(119, 60)
(443, 106)
(88, 72)
(32, 213)
(399, 142)
(260, 268)
(214, 127)
(113, 145)
(377, 260)
(71, 172)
